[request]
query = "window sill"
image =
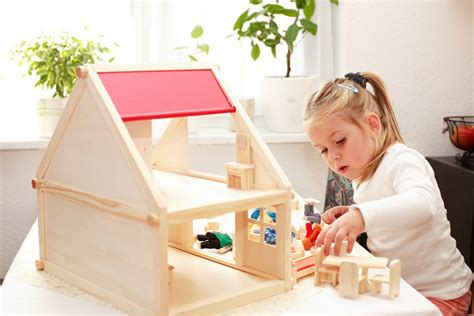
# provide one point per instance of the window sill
(218, 134)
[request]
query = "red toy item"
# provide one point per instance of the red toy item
(309, 229)
(308, 242)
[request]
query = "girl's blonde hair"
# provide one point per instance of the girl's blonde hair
(349, 98)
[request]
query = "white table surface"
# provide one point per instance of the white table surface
(26, 291)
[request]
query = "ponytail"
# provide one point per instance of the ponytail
(385, 106)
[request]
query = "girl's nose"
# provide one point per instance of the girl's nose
(333, 156)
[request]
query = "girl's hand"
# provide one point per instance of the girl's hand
(348, 224)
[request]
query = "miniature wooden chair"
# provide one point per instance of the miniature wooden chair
(342, 252)
(393, 280)
(349, 279)
(351, 283)
(323, 273)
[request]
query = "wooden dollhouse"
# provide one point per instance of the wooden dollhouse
(116, 214)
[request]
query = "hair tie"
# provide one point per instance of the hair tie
(357, 77)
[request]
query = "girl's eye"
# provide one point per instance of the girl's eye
(324, 151)
(341, 141)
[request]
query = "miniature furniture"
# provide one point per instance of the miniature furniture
(364, 263)
(349, 279)
(342, 251)
(302, 266)
(392, 279)
(351, 284)
(239, 176)
(323, 273)
(115, 211)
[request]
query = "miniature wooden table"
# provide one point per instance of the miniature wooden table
(364, 262)
(27, 291)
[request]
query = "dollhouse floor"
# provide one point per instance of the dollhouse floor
(200, 285)
(188, 197)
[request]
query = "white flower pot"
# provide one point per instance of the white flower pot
(284, 100)
(49, 112)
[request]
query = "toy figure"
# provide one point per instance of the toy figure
(309, 213)
(214, 240)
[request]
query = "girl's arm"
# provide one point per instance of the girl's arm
(412, 205)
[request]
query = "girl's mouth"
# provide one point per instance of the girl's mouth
(343, 169)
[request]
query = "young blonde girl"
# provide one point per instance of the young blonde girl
(398, 203)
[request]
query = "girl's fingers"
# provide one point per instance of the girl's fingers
(328, 217)
(321, 236)
(328, 239)
(351, 238)
(334, 213)
(340, 236)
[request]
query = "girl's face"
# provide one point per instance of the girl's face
(345, 147)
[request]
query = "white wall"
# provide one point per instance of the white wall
(424, 52)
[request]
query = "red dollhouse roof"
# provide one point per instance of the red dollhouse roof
(144, 95)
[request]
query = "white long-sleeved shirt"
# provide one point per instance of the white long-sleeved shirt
(405, 219)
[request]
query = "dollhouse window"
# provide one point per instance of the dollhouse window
(262, 229)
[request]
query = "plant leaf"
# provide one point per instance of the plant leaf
(255, 53)
(300, 4)
(255, 1)
(274, 52)
(308, 10)
(289, 12)
(291, 34)
(197, 31)
(273, 8)
(309, 26)
(272, 42)
(204, 48)
(240, 20)
(336, 2)
(192, 58)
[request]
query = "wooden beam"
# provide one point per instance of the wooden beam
(91, 200)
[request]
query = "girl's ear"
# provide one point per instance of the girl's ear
(374, 123)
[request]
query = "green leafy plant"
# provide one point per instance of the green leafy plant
(199, 47)
(53, 59)
(259, 23)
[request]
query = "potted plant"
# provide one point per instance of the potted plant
(199, 47)
(282, 97)
(52, 60)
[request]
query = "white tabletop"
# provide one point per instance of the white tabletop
(27, 291)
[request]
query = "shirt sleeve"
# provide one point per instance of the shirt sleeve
(413, 203)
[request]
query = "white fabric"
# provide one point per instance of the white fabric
(405, 219)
